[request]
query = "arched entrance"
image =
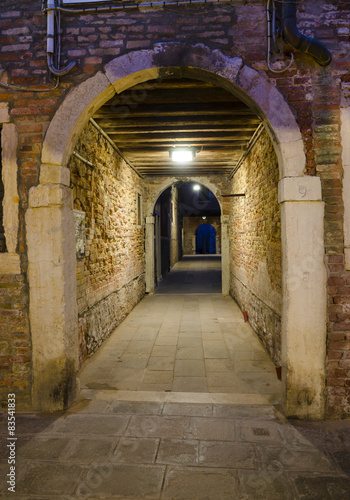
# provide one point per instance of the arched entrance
(51, 237)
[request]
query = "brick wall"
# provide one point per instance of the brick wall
(110, 278)
(255, 244)
(190, 225)
(237, 29)
(15, 343)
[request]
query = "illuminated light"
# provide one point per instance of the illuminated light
(204, 217)
(182, 155)
(196, 187)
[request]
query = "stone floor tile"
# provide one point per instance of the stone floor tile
(190, 384)
(177, 451)
(194, 334)
(223, 379)
(128, 480)
(323, 487)
(49, 478)
(283, 457)
(161, 363)
(107, 425)
(209, 429)
(215, 353)
(121, 374)
(138, 346)
(136, 450)
(89, 406)
(244, 412)
(199, 483)
(165, 341)
(162, 427)
(132, 361)
(190, 326)
(89, 449)
(189, 368)
(164, 351)
(219, 365)
(189, 353)
(35, 423)
(342, 459)
(42, 448)
(256, 485)
(234, 455)
(198, 410)
(136, 408)
(158, 377)
(190, 342)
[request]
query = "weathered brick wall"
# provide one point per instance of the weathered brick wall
(255, 235)
(111, 275)
(237, 29)
(190, 225)
(15, 344)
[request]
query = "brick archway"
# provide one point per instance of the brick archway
(50, 228)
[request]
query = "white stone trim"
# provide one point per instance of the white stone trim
(345, 139)
(304, 188)
(9, 261)
(304, 308)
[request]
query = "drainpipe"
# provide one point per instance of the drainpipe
(301, 42)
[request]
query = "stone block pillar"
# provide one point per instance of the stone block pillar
(52, 288)
(304, 297)
(149, 251)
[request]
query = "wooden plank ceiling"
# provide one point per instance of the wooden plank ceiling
(146, 121)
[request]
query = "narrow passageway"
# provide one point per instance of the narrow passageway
(185, 338)
(195, 274)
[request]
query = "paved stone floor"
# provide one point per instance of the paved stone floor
(181, 402)
(193, 274)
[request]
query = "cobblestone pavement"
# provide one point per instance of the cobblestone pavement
(181, 402)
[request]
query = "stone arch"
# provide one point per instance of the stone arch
(149, 205)
(166, 60)
(50, 224)
(170, 181)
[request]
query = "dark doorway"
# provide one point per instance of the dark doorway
(205, 239)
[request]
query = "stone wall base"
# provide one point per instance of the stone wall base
(263, 319)
(98, 322)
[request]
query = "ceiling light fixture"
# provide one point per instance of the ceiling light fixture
(196, 187)
(182, 154)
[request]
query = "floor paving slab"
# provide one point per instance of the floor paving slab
(255, 485)
(233, 455)
(176, 451)
(155, 426)
(128, 480)
(136, 450)
(209, 429)
(200, 483)
(100, 425)
(322, 487)
(50, 478)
